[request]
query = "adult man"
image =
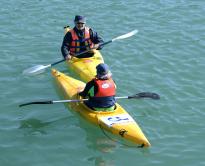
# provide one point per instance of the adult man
(101, 90)
(80, 39)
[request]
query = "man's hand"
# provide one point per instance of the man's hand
(68, 57)
(95, 46)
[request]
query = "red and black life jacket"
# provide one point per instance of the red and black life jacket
(105, 95)
(105, 88)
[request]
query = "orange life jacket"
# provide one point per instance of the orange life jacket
(77, 45)
(105, 88)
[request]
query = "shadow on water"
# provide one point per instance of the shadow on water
(34, 125)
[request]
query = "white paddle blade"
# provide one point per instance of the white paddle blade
(35, 70)
(126, 35)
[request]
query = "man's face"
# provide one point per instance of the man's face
(80, 25)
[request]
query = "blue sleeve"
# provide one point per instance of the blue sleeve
(66, 44)
(96, 39)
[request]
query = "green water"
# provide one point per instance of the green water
(166, 57)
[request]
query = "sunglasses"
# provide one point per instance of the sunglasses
(80, 23)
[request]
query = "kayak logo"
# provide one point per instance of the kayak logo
(105, 85)
(117, 119)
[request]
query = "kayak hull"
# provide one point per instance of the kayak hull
(117, 122)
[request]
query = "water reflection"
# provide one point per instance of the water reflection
(106, 144)
(98, 142)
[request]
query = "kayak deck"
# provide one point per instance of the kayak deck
(117, 122)
(86, 67)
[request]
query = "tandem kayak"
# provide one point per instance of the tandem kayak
(85, 67)
(117, 122)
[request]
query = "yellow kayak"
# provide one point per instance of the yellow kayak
(117, 122)
(85, 67)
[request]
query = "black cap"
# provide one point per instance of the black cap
(102, 69)
(81, 19)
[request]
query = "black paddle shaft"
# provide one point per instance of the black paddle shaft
(36, 102)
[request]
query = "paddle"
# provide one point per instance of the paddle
(41, 68)
(136, 96)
